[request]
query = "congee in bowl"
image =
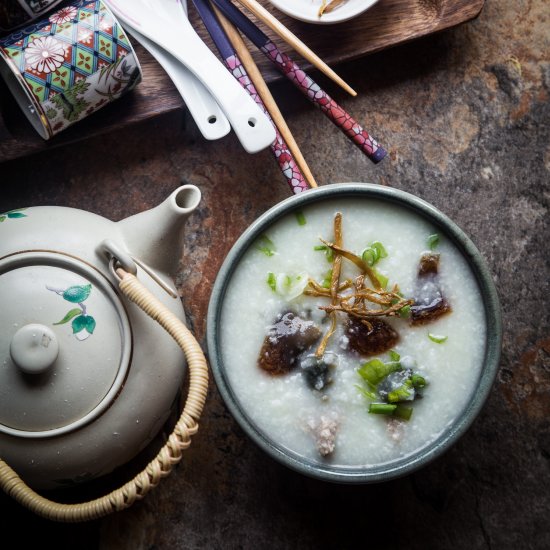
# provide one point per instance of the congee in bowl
(354, 332)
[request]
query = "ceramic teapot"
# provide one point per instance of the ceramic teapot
(87, 379)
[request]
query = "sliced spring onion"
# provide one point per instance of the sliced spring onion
(327, 279)
(382, 279)
(368, 394)
(418, 381)
(373, 253)
(380, 250)
(265, 245)
(327, 250)
(399, 411)
(369, 256)
(403, 412)
(402, 393)
(374, 371)
(272, 281)
(394, 356)
(437, 338)
(433, 241)
(300, 218)
(291, 286)
(405, 312)
(382, 408)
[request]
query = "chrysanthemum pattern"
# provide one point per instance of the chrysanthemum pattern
(328, 106)
(44, 54)
(64, 15)
(287, 164)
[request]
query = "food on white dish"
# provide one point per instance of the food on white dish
(353, 334)
(327, 7)
(323, 11)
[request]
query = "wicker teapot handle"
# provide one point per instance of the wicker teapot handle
(168, 456)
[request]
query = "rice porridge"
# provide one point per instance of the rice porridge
(352, 333)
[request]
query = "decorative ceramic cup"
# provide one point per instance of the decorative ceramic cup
(15, 13)
(63, 68)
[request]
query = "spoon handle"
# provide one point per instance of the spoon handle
(209, 118)
(249, 123)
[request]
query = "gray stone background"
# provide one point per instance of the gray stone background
(465, 115)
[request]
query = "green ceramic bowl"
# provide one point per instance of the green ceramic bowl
(455, 430)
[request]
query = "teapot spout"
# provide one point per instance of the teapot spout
(155, 236)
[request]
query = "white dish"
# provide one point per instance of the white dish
(308, 10)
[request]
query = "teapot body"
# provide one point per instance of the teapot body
(87, 378)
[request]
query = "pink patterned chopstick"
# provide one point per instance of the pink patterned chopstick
(287, 164)
(328, 106)
(304, 82)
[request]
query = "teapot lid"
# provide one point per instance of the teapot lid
(65, 344)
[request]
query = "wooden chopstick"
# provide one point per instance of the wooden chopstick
(263, 90)
(276, 26)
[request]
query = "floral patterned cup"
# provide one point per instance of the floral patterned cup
(64, 68)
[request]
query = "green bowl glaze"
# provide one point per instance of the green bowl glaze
(419, 459)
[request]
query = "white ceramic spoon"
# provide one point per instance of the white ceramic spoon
(150, 19)
(207, 114)
(210, 119)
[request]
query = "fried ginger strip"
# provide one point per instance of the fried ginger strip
(355, 303)
(334, 285)
(331, 6)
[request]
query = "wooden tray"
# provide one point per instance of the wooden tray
(388, 23)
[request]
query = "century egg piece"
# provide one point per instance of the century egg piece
(370, 337)
(317, 370)
(287, 338)
(429, 302)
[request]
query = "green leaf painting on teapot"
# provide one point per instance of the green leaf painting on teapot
(82, 323)
(12, 215)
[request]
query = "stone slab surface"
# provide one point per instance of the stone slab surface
(466, 117)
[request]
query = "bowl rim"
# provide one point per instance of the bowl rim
(480, 269)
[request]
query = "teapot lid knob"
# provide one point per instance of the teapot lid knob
(34, 348)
